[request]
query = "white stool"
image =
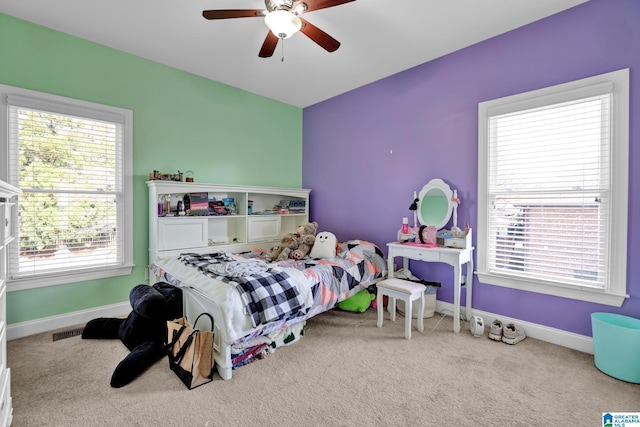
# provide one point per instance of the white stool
(406, 291)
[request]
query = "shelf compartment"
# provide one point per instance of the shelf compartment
(181, 233)
(227, 229)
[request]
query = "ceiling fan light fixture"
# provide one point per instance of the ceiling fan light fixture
(282, 23)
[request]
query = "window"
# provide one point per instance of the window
(553, 188)
(72, 161)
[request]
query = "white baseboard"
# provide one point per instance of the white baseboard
(533, 330)
(31, 327)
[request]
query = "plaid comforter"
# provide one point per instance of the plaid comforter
(357, 265)
(273, 295)
(269, 296)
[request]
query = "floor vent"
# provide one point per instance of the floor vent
(67, 334)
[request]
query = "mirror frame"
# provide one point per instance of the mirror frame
(436, 185)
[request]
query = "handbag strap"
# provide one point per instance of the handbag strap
(180, 354)
(175, 337)
(178, 333)
(203, 314)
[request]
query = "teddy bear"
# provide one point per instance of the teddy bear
(143, 331)
(294, 245)
(288, 244)
(306, 242)
(306, 238)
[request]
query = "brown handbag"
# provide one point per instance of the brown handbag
(190, 351)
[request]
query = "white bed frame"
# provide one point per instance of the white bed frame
(194, 304)
(244, 231)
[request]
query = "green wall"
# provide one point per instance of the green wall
(181, 122)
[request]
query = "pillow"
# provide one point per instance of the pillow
(324, 246)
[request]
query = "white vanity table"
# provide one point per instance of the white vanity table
(454, 257)
(434, 207)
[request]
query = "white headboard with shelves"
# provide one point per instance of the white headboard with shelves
(258, 227)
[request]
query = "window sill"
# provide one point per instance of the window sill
(580, 294)
(62, 279)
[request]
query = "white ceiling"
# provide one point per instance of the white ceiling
(379, 37)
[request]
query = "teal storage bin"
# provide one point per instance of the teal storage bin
(616, 345)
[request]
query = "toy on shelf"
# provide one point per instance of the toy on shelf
(159, 176)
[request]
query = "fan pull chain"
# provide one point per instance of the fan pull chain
(282, 49)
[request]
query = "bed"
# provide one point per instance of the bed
(259, 306)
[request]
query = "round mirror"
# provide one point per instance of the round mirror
(434, 204)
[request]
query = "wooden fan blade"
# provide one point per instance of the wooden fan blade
(233, 13)
(269, 45)
(321, 4)
(320, 37)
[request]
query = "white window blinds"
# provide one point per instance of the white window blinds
(553, 172)
(68, 161)
(549, 190)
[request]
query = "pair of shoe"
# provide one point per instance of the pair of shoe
(509, 333)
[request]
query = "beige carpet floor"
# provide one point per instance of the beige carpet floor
(343, 372)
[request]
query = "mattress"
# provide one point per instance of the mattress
(318, 284)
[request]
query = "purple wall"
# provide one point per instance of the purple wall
(366, 151)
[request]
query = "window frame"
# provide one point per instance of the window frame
(70, 106)
(615, 291)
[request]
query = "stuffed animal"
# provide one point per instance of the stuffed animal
(359, 302)
(143, 332)
(306, 239)
(306, 243)
(325, 246)
(294, 246)
(271, 253)
(288, 244)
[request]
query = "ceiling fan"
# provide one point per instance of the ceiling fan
(282, 17)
